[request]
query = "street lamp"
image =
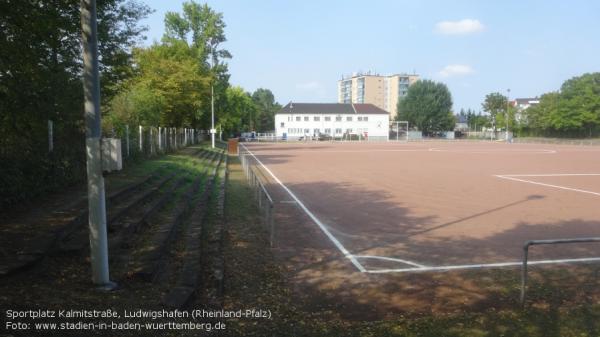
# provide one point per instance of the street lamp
(507, 103)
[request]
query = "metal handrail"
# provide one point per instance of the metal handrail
(544, 242)
(255, 181)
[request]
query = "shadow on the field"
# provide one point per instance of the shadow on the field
(382, 227)
(269, 159)
(529, 198)
(334, 284)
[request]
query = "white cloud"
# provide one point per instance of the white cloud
(461, 27)
(456, 70)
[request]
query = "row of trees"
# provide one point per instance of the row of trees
(173, 81)
(40, 80)
(573, 111)
(167, 84)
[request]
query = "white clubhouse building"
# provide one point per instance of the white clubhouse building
(337, 120)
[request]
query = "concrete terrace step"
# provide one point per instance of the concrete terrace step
(40, 246)
(78, 240)
(131, 223)
(147, 263)
(189, 277)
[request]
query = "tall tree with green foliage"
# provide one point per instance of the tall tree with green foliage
(427, 105)
(204, 29)
(169, 89)
(40, 80)
(574, 111)
(495, 105)
(266, 107)
(239, 111)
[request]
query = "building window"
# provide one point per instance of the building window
(349, 119)
(316, 118)
(365, 119)
(327, 131)
(359, 119)
(348, 130)
(297, 118)
(338, 131)
(282, 124)
(306, 118)
(289, 118)
(316, 132)
(338, 118)
(327, 118)
(306, 131)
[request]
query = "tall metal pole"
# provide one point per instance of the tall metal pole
(96, 196)
(507, 102)
(212, 113)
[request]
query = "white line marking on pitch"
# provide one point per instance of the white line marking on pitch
(547, 185)
(493, 151)
(317, 151)
(335, 241)
(393, 259)
(481, 266)
(551, 175)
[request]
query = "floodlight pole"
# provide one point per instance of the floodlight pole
(507, 103)
(96, 194)
(212, 113)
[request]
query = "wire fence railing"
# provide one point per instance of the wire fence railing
(262, 196)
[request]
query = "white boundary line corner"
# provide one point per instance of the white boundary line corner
(323, 228)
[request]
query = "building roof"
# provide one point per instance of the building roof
(527, 100)
(331, 108)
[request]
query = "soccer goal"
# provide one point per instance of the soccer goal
(399, 131)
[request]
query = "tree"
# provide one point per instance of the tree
(239, 111)
(501, 118)
(427, 105)
(170, 87)
(478, 121)
(266, 107)
(572, 111)
(495, 105)
(204, 30)
(40, 80)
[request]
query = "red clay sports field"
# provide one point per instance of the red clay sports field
(434, 206)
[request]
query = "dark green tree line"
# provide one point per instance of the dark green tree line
(40, 80)
(573, 111)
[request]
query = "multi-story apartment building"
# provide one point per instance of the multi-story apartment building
(381, 91)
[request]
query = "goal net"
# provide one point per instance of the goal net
(399, 130)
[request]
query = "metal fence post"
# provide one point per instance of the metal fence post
(272, 223)
(151, 142)
(50, 136)
(524, 272)
(127, 139)
(141, 139)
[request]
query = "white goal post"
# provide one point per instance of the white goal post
(396, 126)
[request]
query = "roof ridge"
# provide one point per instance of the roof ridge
(353, 108)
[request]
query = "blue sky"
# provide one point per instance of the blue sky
(299, 49)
